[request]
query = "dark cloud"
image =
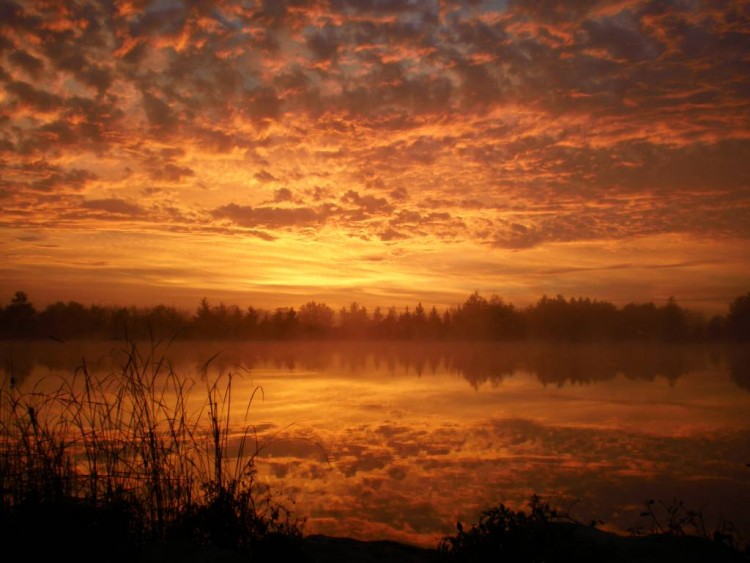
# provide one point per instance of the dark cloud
(641, 165)
(389, 7)
(26, 94)
(550, 11)
(169, 172)
(368, 203)
(29, 63)
(364, 461)
(480, 87)
(263, 103)
(272, 13)
(218, 141)
(622, 38)
(293, 447)
(269, 217)
(399, 194)
(324, 43)
(75, 179)
(406, 217)
(281, 195)
(159, 21)
(391, 234)
(96, 76)
(69, 51)
(265, 176)
(81, 124)
(160, 115)
(113, 206)
(15, 16)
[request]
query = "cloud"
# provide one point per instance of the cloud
(508, 125)
(363, 461)
(113, 206)
(160, 115)
(265, 176)
(323, 43)
(621, 38)
(269, 217)
(29, 63)
(390, 235)
(75, 179)
(368, 203)
(399, 194)
(40, 100)
(282, 195)
(263, 104)
(549, 11)
(170, 172)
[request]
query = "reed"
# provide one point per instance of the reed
(143, 441)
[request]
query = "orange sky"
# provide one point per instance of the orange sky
(382, 151)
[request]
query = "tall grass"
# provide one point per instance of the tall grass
(144, 441)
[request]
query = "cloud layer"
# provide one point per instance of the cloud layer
(506, 126)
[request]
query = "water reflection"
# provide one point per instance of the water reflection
(400, 441)
(739, 366)
(478, 364)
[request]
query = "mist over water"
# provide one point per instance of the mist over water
(399, 441)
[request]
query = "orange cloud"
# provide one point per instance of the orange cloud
(410, 127)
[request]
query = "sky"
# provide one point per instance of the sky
(270, 153)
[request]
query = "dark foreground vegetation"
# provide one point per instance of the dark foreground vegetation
(101, 466)
(478, 318)
(541, 533)
(116, 467)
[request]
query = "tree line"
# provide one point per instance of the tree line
(477, 318)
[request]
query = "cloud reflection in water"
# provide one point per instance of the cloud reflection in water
(400, 441)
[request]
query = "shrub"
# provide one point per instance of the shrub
(503, 534)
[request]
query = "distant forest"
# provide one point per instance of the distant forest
(477, 319)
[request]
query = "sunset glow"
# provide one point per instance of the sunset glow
(382, 152)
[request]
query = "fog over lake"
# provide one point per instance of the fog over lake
(399, 441)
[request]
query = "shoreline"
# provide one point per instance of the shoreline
(583, 543)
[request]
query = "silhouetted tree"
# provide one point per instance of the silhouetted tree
(420, 319)
(282, 324)
(66, 320)
(504, 321)
(550, 318)
(434, 325)
(203, 320)
(716, 328)
(470, 320)
(354, 321)
(251, 322)
(165, 322)
(316, 319)
(738, 319)
(739, 366)
(405, 325)
(637, 322)
(673, 322)
(478, 318)
(386, 326)
(19, 318)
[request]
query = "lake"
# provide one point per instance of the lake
(400, 441)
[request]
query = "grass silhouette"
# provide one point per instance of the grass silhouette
(120, 460)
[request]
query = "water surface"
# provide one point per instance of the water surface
(400, 441)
